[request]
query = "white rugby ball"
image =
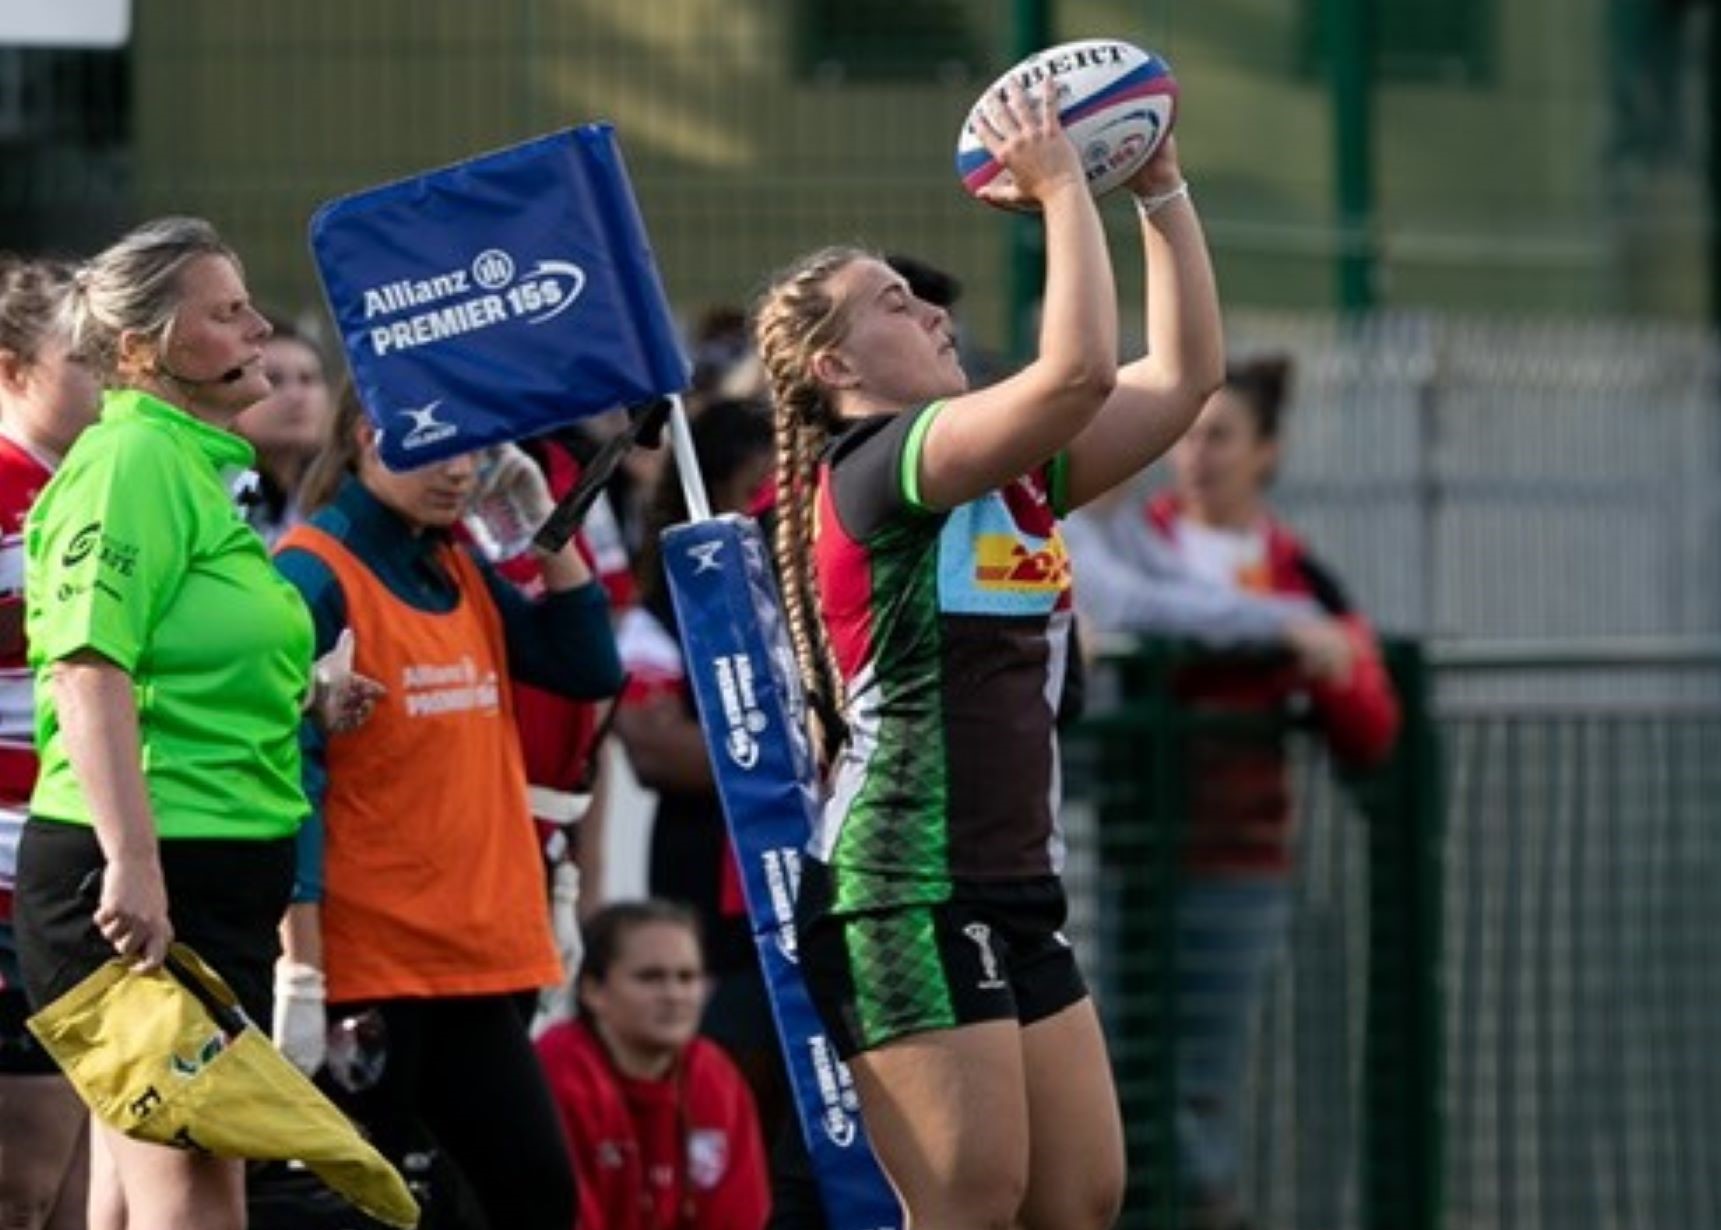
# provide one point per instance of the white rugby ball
(1115, 100)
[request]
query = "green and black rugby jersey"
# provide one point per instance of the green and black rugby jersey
(952, 631)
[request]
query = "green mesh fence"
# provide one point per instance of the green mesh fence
(1537, 157)
(1496, 1000)
(1337, 1117)
(1526, 156)
(1583, 994)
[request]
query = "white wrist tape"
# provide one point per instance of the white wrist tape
(1147, 206)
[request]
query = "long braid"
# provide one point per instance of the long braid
(795, 318)
(793, 529)
(797, 561)
(814, 441)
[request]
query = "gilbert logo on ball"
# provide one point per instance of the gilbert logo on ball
(1116, 102)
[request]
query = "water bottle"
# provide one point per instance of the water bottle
(357, 1050)
(499, 525)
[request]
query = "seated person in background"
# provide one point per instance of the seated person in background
(662, 1128)
(690, 859)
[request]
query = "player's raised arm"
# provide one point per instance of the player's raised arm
(1158, 395)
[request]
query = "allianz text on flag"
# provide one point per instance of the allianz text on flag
(498, 298)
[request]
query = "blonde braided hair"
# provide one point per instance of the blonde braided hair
(793, 320)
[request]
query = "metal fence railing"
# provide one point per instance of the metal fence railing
(1583, 999)
(1338, 1120)
(756, 128)
(1501, 479)
(1496, 1002)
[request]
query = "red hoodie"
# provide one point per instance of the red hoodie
(680, 1153)
(1239, 789)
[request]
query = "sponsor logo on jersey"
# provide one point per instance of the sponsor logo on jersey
(83, 542)
(980, 935)
(431, 688)
(707, 1157)
(1003, 562)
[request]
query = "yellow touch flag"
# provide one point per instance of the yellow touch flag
(169, 1058)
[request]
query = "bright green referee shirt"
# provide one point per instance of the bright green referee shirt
(136, 551)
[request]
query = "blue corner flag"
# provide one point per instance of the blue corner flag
(498, 298)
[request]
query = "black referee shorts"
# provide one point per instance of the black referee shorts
(225, 899)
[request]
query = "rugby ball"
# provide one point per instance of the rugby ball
(1115, 100)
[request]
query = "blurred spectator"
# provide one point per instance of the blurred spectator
(287, 428)
(745, 381)
(624, 512)
(420, 893)
(563, 457)
(691, 861)
(720, 346)
(1131, 579)
(47, 399)
(662, 1128)
(1233, 907)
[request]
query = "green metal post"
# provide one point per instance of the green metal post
(1168, 753)
(1138, 757)
(1031, 29)
(1714, 95)
(1404, 806)
(1347, 44)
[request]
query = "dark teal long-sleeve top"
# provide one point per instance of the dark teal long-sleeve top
(561, 642)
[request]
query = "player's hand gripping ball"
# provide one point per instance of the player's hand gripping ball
(1115, 101)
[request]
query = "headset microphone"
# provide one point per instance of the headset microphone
(232, 375)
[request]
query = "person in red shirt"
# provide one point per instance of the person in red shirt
(47, 398)
(662, 1128)
(691, 860)
(1233, 908)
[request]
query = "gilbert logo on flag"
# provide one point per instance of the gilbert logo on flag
(498, 298)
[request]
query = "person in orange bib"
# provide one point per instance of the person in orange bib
(419, 912)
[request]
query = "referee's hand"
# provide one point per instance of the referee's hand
(132, 915)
